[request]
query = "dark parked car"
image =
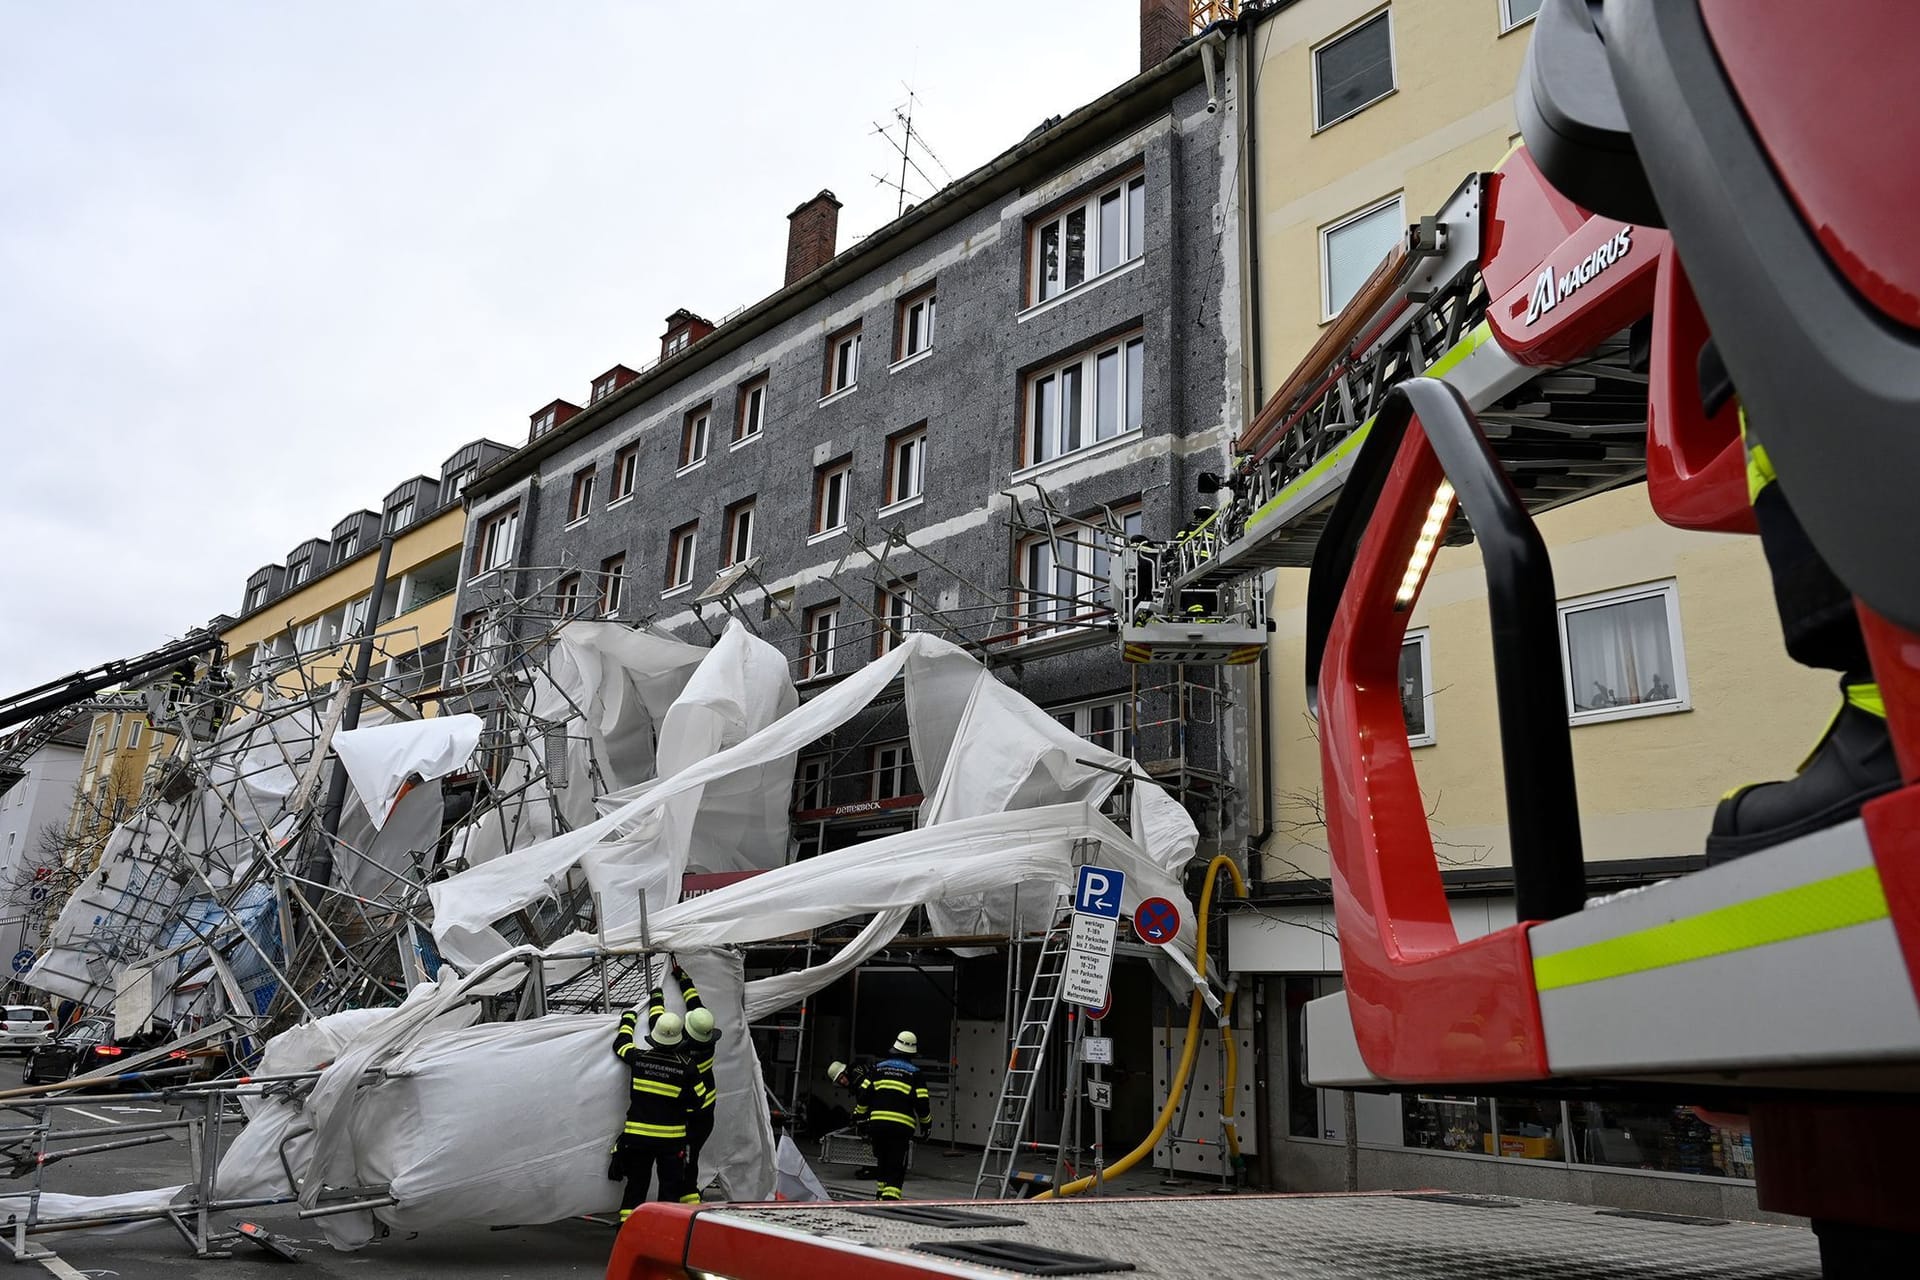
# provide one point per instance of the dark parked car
(85, 1048)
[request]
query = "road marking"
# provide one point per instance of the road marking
(57, 1265)
(92, 1116)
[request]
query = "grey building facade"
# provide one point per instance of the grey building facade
(872, 448)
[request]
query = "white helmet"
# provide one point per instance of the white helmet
(906, 1042)
(666, 1031)
(835, 1070)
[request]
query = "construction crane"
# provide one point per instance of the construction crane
(1710, 167)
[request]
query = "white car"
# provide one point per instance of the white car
(24, 1026)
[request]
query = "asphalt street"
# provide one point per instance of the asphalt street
(573, 1249)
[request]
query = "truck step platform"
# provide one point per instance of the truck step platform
(1417, 1235)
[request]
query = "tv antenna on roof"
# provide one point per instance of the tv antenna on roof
(903, 144)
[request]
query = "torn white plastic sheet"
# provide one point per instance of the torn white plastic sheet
(55, 1206)
(381, 759)
(794, 1177)
(387, 865)
(612, 686)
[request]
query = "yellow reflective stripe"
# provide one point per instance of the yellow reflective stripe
(1824, 906)
(895, 1117)
(900, 1085)
(704, 1067)
(1474, 339)
(654, 1086)
(640, 1130)
(921, 1092)
(1760, 472)
(1867, 698)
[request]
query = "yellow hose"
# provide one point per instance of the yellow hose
(1179, 1084)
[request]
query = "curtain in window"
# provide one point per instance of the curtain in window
(1620, 655)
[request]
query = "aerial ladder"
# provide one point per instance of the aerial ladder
(1693, 168)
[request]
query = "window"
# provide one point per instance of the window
(906, 464)
(626, 468)
(1064, 579)
(893, 772)
(1091, 398)
(693, 436)
(677, 343)
(830, 495)
(739, 533)
(133, 732)
(1086, 239)
(298, 571)
(580, 501)
(400, 515)
(1623, 656)
(1515, 12)
(843, 361)
(307, 638)
(354, 620)
(613, 585)
(493, 545)
(1353, 71)
(1351, 248)
(895, 607)
(457, 483)
(566, 596)
(1416, 688)
(913, 332)
(810, 788)
(542, 423)
(682, 543)
(346, 547)
(435, 578)
(256, 596)
(816, 652)
(471, 641)
(1104, 724)
(753, 411)
(604, 387)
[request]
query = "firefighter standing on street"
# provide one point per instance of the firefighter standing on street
(662, 1102)
(895, 1107)
(698, 1049)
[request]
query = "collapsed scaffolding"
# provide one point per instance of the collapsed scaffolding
(297, 876)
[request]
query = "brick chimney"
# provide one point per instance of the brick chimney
(1163, 25)
(812, 234)
(683, 330)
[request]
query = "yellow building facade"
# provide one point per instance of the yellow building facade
(1364, 118)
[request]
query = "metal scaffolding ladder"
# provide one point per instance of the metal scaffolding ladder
(1026, 1060)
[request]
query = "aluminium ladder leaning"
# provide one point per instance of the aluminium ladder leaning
(1026, 1059)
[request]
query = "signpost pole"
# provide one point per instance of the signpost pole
(1099, 1131)
(1070, 1104)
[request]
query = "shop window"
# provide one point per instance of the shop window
(1622, 654)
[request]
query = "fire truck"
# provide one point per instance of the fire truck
(1733, 170)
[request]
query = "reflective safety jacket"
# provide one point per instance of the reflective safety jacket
(894, 1092)
(665, 1089)
(700, 1055)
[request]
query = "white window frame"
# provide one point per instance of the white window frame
(299, 572)
(1044, 617)
(843, 363)
(625, 473)
(603, 388)
(457, 482)
(1133, 238)
(257, 597)
(400, 516)
(899, 605)
(696, 429)
(683, 549)
(1422, 637)
(613, 584)
(892, 760)
(912, 444)
(751, 416)
(915, 306)
(133, 733)
(739, 516)
(1327, 310)
(1088, 363)
(813, 780)
(566, 596)
(1669, 592)
(1508, 22)
(817, 660)
(496, 549)
(1078, 719)
(823, 489)
(346, 547)
(580, 496)
(1393, 66)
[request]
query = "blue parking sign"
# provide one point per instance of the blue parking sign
(1097, 892)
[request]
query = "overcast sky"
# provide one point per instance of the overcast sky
(259, 263)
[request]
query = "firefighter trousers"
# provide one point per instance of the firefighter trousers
(891, 1142)
(639, 1159)
(699, 1129)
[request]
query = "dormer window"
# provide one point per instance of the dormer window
(345, 547)
(604, 387)
(400, 515)
(542, 423)
(677, 343)
(298, 571)
(457, 483)
(256, 596)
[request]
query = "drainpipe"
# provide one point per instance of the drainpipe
(320, 862)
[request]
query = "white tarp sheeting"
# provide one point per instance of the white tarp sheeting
(381, 759)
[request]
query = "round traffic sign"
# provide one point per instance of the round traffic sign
(1157, 921)
(22, 960)
(1102, 1009)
